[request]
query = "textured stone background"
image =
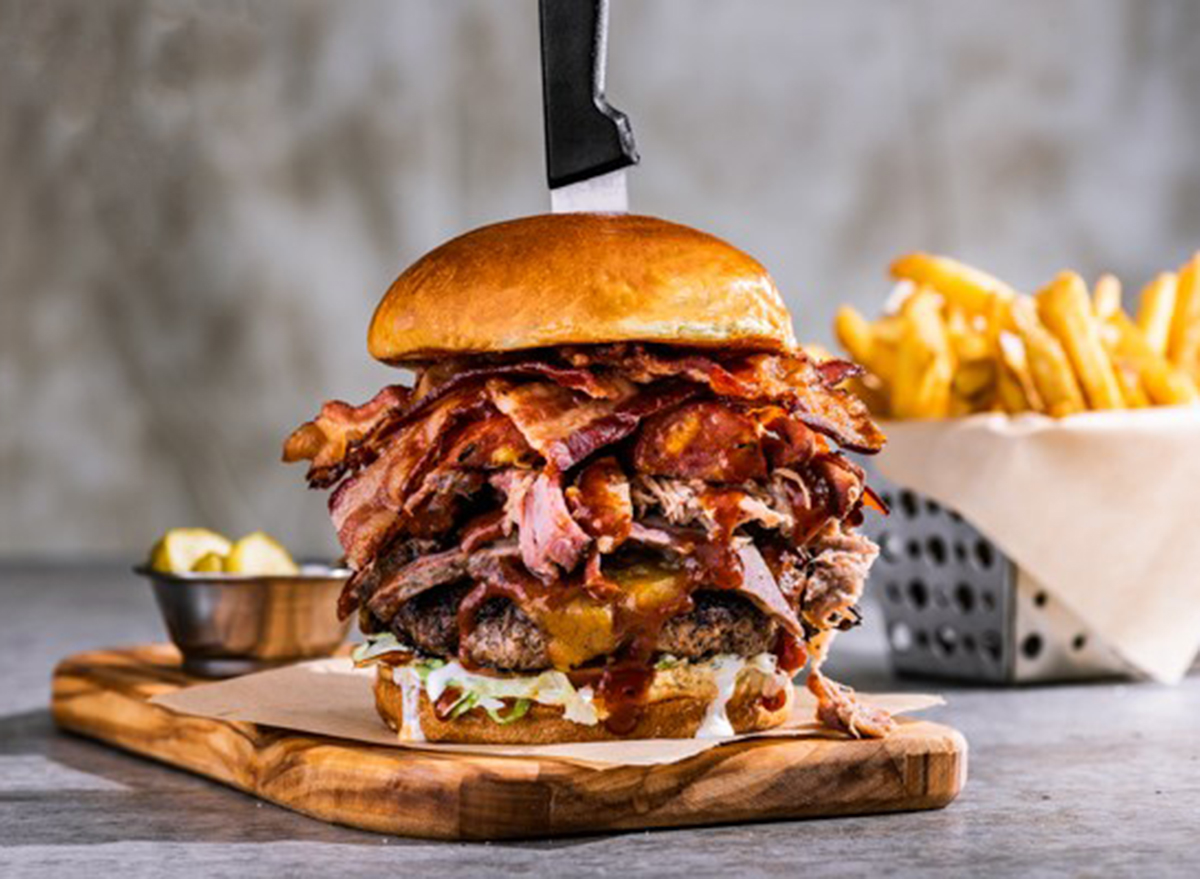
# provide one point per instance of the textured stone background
(200, 202)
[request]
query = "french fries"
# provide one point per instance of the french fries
(1015, 389)
(1058, 389)
(1066, 311)
(959, 341)
(1156, 309)
(924, 365)
(1106, 297)
(962, 285)
(1165, 385)
(1184, 346)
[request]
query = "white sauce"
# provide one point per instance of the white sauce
(726, 671)
(582, 709)
(410, 689)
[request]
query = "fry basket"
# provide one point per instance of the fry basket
(955, 607)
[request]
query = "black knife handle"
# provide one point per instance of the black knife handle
(585, 137)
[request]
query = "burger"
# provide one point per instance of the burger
(613, 500)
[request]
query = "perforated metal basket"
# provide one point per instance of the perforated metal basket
(956, 607)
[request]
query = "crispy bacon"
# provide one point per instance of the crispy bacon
(449, 379)
(789, 378)
(547, 413)
(645, 365)
(834, 372)
(566, 429)
(332, 439)
(601, 504)
(488, 444)
(432, 509)
(367, 507)
(794, 382)
(343, 438)
(786, 441)
(701, 440)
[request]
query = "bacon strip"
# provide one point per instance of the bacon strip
(834, 372)
(790, 379)
(566, 429)
(796, 383)
(571, 378)
(331, 439)
(343, 438)
(600, 502)
(367, 507)
(703, 439)
(546, 413)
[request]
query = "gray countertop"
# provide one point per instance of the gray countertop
(1099, 779)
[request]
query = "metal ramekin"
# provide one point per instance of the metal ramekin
(229, 624)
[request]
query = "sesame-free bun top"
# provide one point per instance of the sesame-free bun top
(578, 279)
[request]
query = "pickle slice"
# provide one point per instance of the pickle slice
(259, 554)
(181, 548)
(209, 563)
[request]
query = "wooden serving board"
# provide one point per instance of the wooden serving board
(104, 695)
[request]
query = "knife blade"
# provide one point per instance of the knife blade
(589, 143)
(606, 194)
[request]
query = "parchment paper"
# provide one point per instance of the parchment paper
(330, 697)
(1100, 508)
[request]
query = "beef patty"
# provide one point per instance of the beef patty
(505, 638)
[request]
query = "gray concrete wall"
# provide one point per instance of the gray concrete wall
(200, 202)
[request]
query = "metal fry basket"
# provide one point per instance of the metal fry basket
(956, 607)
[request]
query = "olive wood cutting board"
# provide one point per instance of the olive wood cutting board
(105, 695)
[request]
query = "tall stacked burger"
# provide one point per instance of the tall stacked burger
(613, 503)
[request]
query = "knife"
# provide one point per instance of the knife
(589, 143)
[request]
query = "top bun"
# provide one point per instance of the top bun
(578, 279)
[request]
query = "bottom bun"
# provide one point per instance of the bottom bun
(674, 708)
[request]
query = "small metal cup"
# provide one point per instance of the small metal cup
(230, 624)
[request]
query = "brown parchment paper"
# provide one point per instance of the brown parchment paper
(330, 697)
(1100, 508)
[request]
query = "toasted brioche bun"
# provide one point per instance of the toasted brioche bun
(578, 279)
(674, 709)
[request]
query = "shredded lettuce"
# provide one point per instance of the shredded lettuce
(425, 666)
(492, 693)
(465, 703)
(377, 645)
(491, 706)
(519, 709)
